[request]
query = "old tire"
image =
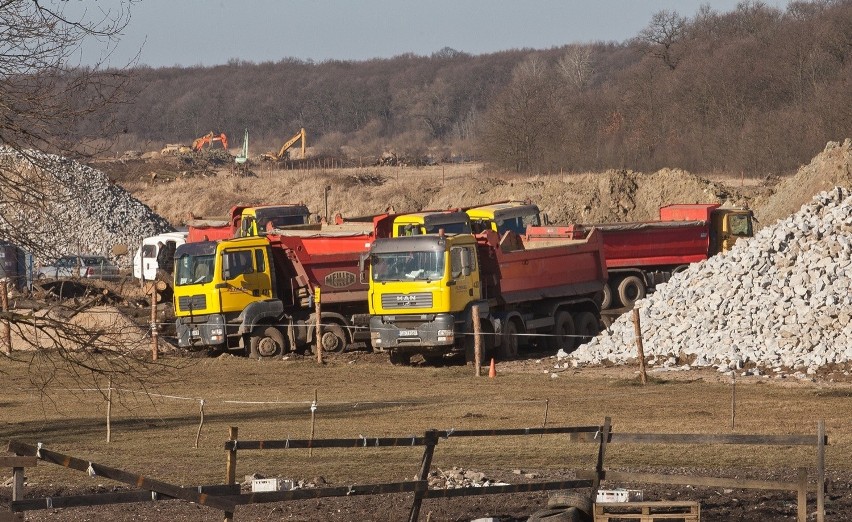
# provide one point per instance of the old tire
(562, 335)
(266, 341)
(509, 344)
(630, 290)
(587, 327)
(332, 338)
(569, 499)
(606, 300)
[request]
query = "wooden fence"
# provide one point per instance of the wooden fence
(226, 497)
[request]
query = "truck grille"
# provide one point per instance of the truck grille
(416, 300)
(195, 303)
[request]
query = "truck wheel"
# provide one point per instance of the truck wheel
(266, 341)
(562, 337)
(400, 358)
(333, 338)
(606, 301)
(630, 290)
(587, 326)
(509, 346)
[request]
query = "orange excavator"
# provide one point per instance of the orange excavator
(208, 139)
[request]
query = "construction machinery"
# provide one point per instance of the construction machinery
(283, 151)
(426, 291)
(244, 221)
(641, 255)
(208, 139)
(242, 157)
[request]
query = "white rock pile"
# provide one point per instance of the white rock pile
(779, 303)
(69, 208)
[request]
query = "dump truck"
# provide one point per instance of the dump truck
(256, 295)
(246, 221)
(640, 255)
(423, 290)
(266, 306)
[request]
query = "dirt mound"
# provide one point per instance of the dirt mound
(612, 196)
(832, 167)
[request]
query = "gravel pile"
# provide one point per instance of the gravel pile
(778, 303)
(69, 208)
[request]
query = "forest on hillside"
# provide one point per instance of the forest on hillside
(756, 90)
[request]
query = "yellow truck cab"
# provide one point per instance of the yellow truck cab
(256, 221)
(432, 276)
(508, 215)
(431, 222)
(214, 282)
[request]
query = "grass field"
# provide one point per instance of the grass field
(360, 394)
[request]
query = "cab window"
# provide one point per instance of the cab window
(456, 260)
(739, 225)
(236, 263)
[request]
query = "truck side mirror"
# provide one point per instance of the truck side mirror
(362, 265)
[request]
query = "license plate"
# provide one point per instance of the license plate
(195, 333)
(408, 333)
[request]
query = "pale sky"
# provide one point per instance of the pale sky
(211, 32)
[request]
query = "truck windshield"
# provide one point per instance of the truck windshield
(407, 266)
(518, 224)
(194, 270)
(740, 225)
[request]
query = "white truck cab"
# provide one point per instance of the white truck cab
(145, 260)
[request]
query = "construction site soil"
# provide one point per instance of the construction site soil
(179, 189)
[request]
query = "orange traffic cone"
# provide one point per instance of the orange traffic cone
(492, 372)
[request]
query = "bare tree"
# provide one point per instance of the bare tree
(576, 66)
(46, 93)
(662, 35)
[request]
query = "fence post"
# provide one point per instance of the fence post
(231, 466)
(318, 329)
(821, 471)
(599, 467)
(4, 304)
(802, 496)
(109, 411)
(154, 348)
(641, 349)
(477, 341)
(431, 437)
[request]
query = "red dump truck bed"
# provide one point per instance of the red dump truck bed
(328, 261)
(681, 236)
(515, 271)
(654, 243)
(209, 230)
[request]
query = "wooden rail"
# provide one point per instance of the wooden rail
(226, 497)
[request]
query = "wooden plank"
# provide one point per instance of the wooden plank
(505, 489)
(231, 466)
(139, 481)
(686, 511)
(704, 438)
(342, 491)
(18, 462)
(694, 480)
(401, 441)
(802, 496)
(102, 499)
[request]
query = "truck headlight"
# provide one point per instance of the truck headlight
(374, 335)
(445, 333)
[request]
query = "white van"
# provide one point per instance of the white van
(145, 260)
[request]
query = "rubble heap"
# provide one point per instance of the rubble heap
(779, 301)
(69, 208)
